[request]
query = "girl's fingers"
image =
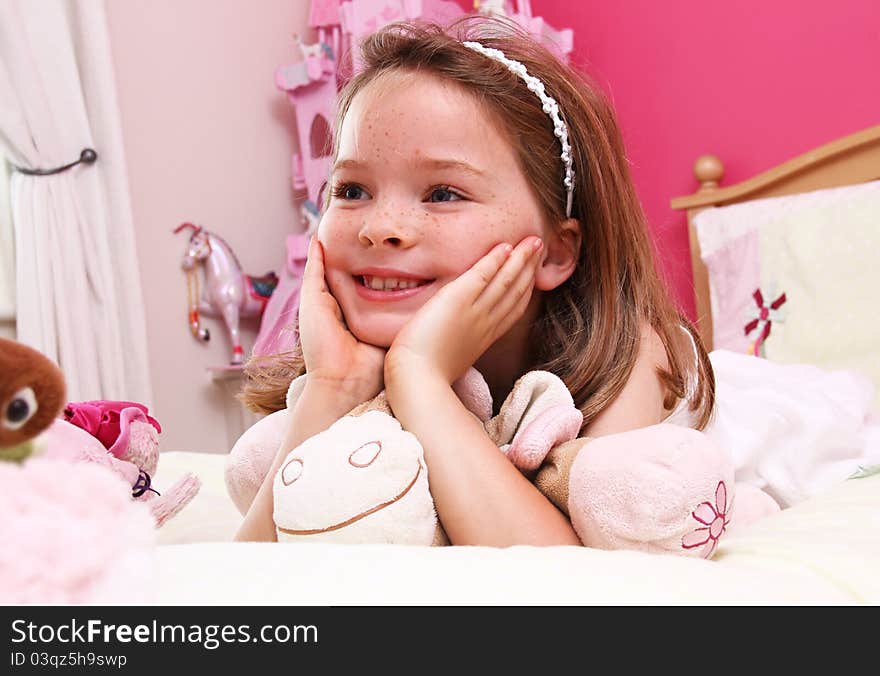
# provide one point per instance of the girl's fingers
(473, 281)
(514, 304)
(514, 278)
(315, 293)
(313, 274)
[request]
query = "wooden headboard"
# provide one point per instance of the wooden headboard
(846, 161)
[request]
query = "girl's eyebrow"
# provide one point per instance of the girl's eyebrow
(421, 162)
(458, 165)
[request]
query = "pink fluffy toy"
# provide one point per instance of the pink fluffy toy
(72, 535)
(123, 437)
(70, 531)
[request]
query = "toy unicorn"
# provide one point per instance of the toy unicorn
(228, 293)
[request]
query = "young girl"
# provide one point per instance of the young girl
(480, 212)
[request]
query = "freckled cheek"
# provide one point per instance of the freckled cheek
(523, 222)
(511, 227)
(335, 228)
(339, 237)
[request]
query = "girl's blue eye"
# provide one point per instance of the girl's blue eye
(443, 195)
(350, 191)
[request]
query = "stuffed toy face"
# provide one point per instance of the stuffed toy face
(362, 480)
(31, 396)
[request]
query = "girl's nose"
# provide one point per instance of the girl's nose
(400, 231)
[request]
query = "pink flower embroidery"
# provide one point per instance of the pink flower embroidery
(714, 520)
(763, 316)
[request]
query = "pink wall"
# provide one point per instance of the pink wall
(751, 81)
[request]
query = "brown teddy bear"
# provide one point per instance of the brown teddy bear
(32, 395)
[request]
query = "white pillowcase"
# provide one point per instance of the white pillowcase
(822, 250)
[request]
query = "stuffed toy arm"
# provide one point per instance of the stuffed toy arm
(664, 488)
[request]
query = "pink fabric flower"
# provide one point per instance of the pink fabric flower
(714, 520)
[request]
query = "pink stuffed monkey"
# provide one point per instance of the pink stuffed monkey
(124, 438)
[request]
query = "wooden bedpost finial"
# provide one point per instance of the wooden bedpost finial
(708, 169)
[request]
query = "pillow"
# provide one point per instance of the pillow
(827, 262)
(793, 278)
(734, 274)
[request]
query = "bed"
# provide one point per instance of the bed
(823, 550)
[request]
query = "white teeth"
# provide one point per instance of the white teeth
(389, 283)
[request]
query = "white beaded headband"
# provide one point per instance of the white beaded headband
(549, 106)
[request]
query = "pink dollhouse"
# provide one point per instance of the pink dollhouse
(311, 82)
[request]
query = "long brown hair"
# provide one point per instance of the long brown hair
(590, 327)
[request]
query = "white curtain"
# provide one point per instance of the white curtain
(7, 261)
(78, 292)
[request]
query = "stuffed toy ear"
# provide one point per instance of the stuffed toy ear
(121, 447)
(537, 415)
(553, 426)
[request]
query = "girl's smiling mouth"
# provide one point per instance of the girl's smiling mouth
(382, 284)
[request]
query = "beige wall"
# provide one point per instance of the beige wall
(208, 139)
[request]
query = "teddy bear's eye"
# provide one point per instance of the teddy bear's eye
(363, 456)
(21, 408)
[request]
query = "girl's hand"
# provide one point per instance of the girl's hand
(464, 318)
(332, 354)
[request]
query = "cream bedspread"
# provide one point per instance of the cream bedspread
(825, 550)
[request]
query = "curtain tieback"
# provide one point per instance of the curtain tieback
(87, 156)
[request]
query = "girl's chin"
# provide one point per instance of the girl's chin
(380, 336)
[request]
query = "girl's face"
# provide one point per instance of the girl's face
(424, 185)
